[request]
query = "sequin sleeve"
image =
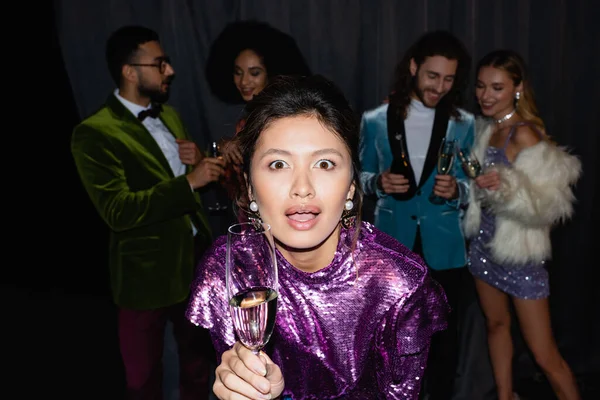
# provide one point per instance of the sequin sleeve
(208, 305)
(404, 337)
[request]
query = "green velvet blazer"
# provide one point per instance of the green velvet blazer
(148, 210)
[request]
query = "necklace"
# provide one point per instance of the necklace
(506, 117)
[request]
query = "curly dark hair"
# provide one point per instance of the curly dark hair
(435, 43)
(278, 52)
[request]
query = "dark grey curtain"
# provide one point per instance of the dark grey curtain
(357, 43)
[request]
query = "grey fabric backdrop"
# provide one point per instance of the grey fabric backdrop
(357, 43)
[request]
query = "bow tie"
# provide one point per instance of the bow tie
(152, 112)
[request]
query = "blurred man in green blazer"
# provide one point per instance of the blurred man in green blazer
(141, 171)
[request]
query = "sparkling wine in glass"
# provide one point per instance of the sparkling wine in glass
(444, 165)
(252, 284)
(469, 162)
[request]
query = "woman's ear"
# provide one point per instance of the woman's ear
(519, 88)
(351, 191)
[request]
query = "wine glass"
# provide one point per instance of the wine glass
(214, 150)
(473, 169)
(444, 165)
(251, 281)
(469, 162)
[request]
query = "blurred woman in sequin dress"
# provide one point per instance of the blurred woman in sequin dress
(356, 309)
(242, 60)
(525, 190)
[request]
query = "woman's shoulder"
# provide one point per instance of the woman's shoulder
(526, 135)
(218, 246)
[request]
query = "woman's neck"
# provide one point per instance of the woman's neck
(506, 116)
(314, 259)
(507, 122)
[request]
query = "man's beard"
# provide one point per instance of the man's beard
(420, 93)
(155, 94)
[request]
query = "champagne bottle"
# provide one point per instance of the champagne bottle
(401, 165)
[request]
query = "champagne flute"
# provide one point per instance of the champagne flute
(251, 281)
(444, 165)
(473, 169)
(469, 162)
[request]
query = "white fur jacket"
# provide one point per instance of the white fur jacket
(535, 193)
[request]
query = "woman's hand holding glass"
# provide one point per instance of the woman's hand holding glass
(244, 373)
(488, 180)
(484, 178)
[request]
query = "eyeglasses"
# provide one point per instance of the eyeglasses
(162, 64)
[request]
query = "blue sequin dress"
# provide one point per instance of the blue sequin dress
(528, 281)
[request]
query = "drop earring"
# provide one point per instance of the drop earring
(254, 216)
(253, 206)
(349, 205)
(348, 217)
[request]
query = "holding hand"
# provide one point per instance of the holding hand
(189, 153)
(231, 151)
(489, 180)
(243, 375)
(208, 170)
(445, 187)
(392, 183)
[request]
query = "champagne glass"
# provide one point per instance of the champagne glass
(251, 281)
(444, 165)
(215, 151)
(473, 169)
(469, 162)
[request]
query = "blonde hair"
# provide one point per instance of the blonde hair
(514, 65)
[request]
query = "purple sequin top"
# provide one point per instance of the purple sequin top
(358, 329)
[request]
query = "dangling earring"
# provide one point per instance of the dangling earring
(348, 217)
(518, 95)
(253, 206)
(254, 215)
(349, 205)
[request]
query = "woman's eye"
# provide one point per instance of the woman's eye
(277, 164)
(325, 164)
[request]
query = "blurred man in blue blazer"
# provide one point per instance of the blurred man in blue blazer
(399, 152)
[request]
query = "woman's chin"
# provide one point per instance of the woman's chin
(303, 241)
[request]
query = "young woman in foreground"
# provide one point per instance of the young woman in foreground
(356, 309)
